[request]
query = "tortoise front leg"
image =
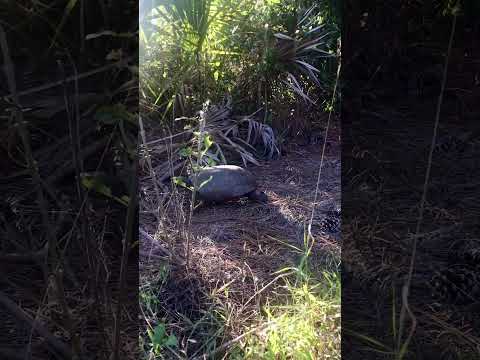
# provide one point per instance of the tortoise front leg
(258, 196)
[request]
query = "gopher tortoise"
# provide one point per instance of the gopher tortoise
(226, 182)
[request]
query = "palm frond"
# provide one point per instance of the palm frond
(237, 134)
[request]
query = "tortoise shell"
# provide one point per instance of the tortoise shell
(224, 182)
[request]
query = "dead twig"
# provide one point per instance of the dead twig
(69, 79)
(229, 344)
(405, 298)
(17, 258)
(127, 241)
(56, 344)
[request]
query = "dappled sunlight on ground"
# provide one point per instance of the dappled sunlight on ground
(241, 239)
(238, 248)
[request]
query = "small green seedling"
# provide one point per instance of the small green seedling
(160, 339)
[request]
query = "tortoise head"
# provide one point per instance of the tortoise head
(258, 196)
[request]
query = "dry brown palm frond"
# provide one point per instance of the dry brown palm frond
(237, 134)
(257, 132)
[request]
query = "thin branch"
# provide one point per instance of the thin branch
(228, 344)
(53, 341)
(132, 213)
(28, 257)
(40, 88)
(323, 153)
(404, 310)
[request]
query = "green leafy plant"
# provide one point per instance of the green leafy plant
(196, 50)
(118, 115)
(160, 339)
(307, 326)
(197, 159)
(98, 184)
(298, 44)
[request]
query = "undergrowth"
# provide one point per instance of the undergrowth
(307, 326)
(271, 63)
(303, 324)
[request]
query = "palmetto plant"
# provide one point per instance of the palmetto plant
(183, 42)
(256, 51)
(187, 20)
(295, 56)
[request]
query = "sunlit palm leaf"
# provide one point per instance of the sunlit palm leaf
(299, 52)
(296, 87)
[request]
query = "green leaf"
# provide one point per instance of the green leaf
(180, 182)
(150, 334)
(185, 152)
(211, 162)
(112, 114)
(171, 341)
(159, 338)
(66, 13)
(196, 168)
(124, 200)
(96, 184)
(207, 142)
(159, 334)
(109, 33)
